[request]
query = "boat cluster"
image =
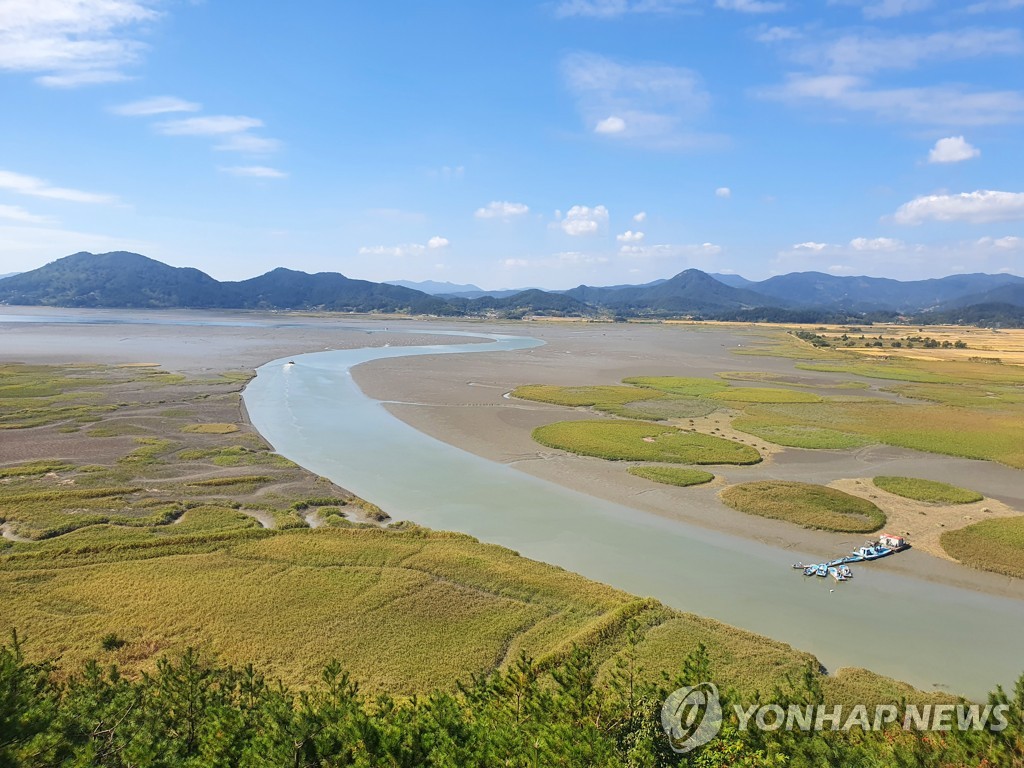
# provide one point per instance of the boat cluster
(839, 569)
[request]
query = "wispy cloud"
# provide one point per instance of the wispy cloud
(158, 105)
(34, 187)
(941, 105)
(873, 51)
(70, 43)
(254, 171)
(750, 6)
(611, 9)
(651, 104)
(246, 142)
(213, 125)
(19, 214)
(434, 244)
(978, 207)
(501, 209)
(886, 9)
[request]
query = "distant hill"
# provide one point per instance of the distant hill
(532, 301)
(9, 274)
(734, 281)
(130, 280)
(688, 292)
(288, 289)
(1012, 294)
(866, 294)
(435, 288)
(116, 279)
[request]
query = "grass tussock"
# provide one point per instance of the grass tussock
(808, 505)
(991, 545)
(926, 490)
(642, 441)
(681, 476)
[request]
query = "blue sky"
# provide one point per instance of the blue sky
(513, 144)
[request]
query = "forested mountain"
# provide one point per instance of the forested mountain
(132, 281)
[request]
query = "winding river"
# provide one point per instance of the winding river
(927, 634)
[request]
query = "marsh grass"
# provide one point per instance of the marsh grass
(210, 429)
(991, 545)
(677, 385)
(811, 506)
(766, 395)
(996, 436)
(642, 441)
(926, 490)
(680, 476)
(35, 468)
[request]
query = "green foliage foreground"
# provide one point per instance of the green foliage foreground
(194, 713)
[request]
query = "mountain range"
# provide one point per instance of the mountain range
(130, 280)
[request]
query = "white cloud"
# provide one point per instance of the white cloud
(246, 142)
(810, 245)
(584, 220)
(254, 171)
(931, 105)
(611, 124)
(651, 104)
(501, 209)
(158, 105)
(579, 257)
(19, 214)
(978, 207)
(777, 34)
(873, 51)
(995, 5)
(954, 149)
(723, 192)
(214, 125)
(610, 9)
(435, 244)
(887, 9)
(29, 185)
(641, 217)
(750, 6)
(1008, 243)
(72, 42)
(876, 244)
(510, 263)
(670, 251)
(629, 236)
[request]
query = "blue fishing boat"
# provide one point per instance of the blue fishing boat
(821, 570)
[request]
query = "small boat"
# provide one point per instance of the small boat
(810, 570)
(845, 572)
(821, 570)
(799, 566)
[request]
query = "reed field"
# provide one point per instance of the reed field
(681, 476)
(167, 538)
(805, 504)
(926, 490)
(642, 441)
(991, 545)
